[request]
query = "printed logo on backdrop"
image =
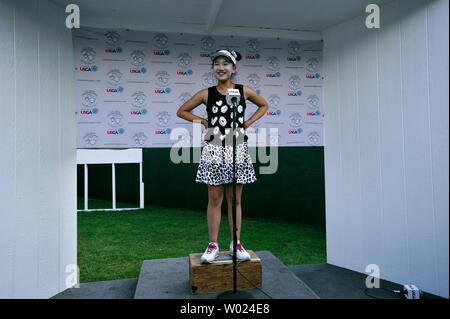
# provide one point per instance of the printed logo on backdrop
(274, 105)
(295, 120)
(273, 113)
(313, 104)
(90, 139)
(265, 68)
(274, 140)
(254, 81)
(206, 45)
(274, 101)
(294, 86)
(89, 101)
(313, 138)
(184, 139)
(115, 120)
(161, 42)
(313, 101)
(208, 79)
(139, 99)
(252, 48)
(163, 120)
(273, 65)
(112, 40)
(139, 139)
(137, 59)
(114, 78)
(184, 64)
(162, 80)
(294, 51)
(312, 66)
(87, 57)
(183, 97)
(138, 102)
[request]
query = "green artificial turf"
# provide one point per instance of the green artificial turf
(113, 245)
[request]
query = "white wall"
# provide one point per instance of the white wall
(38, 154)
(386, 108)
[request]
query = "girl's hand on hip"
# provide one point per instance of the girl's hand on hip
(205, 123)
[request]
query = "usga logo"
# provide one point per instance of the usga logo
(187, 72)
(205, 55)
(166, 131)
(114, 50)
(115, 132)
(296, 93)
(138, 112)
(161, 52)
(313, 76)
(163, 91)
(315, 113)
(274, 113)
(115, 90)
(294, 58)
(207, 43)
(87, 60)
(273, 75)
(255, 130)
(252, 56)
(89, 112)
(93, 68)
(297, 131)
(141, 70)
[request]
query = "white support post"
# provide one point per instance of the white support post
(85, 187)
(114, 185)
(141, 188)
(104, 156)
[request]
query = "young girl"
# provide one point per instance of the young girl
(216, 162)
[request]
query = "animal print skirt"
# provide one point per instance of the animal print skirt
(216, 165)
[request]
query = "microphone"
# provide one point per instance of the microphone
(233, 97)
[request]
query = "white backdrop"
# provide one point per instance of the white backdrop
(131, 83)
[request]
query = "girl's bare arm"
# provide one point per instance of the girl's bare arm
(262, 104)
(184, 111)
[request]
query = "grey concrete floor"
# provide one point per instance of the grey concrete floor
(169, 279)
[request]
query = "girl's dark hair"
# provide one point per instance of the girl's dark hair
(238, 56)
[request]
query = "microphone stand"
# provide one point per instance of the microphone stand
(235, 294)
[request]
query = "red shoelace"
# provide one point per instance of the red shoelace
(210, 248)
(239, 246)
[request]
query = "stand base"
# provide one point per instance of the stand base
(218, 276)
(239, 294)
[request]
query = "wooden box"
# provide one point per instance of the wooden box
(218, 276)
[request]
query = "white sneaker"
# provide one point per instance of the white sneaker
(210, 253)
(242, 254)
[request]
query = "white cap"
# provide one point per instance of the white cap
(231, 55)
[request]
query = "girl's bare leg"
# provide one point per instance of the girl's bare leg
(229, 193)
(215, 197)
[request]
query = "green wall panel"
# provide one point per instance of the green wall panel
(295, 192)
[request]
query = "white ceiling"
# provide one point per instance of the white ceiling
(210, 16)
